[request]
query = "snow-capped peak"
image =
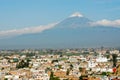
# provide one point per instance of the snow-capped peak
(76, 14)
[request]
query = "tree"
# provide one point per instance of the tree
(52, 77)
(65, 79)
(67, 72)
(23, 64)
(6, 79)
(30, 54)
(56, 78)
(114, 58)
(104, 73)
(71, 66)
(54, 61)
(82, 76)
(60, 66)
(80, 69)
(108, 56)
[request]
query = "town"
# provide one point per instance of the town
(60, 64)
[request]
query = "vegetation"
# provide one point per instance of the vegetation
(114, 56)
(54, 61)
(52, 77)
(71, 66)
(82, 76)
(65, 79)
(105, 73)
(30, 54)
(6, 79)
(67, 72)
(80, 69)
(60, 66)
(23, 64)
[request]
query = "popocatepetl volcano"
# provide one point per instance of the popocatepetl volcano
(76, 20)
(73, 32)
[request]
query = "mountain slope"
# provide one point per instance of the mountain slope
(74, 22)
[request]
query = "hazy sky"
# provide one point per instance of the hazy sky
(17, 14)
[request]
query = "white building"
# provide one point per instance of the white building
(100, 58)
(39, 75)
(91, 64)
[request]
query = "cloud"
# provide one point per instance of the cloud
(30, 30)
(105, 22)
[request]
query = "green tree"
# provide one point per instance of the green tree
(56, 78)
(104, 73)
(82, 76)
(114, 58)
(23, 64)
(71, 66)
(6, 79)
(80, 69)
(108, 56)
(67, 72)
(52, 77)
(60, 66)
